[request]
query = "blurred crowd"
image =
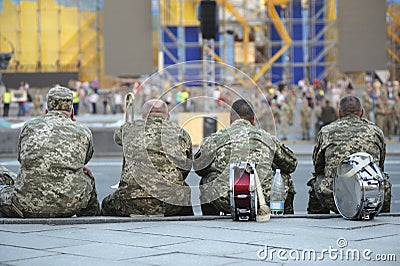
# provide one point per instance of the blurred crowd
(309, 105)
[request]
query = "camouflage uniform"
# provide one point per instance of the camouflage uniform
(291, 102)
(157, 159)
(341, 138)
(284, 118)
(276, 112)
(396, 110)
(7, 177)
(317, 118)
(52, 151)
(367, 104)
(266, 119)
(388, 124)
(242, 141)
(379, 114)
(306, 116)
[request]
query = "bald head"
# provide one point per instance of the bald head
(155, 108)
(350, 105)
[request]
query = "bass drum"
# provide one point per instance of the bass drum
(358, 187)
(243, 192)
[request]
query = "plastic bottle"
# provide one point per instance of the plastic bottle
(277, 195)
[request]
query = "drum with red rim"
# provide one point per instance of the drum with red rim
(243, 194)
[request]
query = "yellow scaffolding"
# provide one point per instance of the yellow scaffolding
(49, 37)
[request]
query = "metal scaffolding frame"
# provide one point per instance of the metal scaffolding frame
(248, 18)
(393, 31)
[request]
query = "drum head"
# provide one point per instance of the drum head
(348, 195)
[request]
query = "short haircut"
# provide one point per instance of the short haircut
(350, 105)
(242, 109)
(155, 107)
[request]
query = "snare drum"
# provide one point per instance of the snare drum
(243, 194)
(358, 187)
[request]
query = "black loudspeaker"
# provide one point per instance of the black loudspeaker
(208, 19)
(209, 126)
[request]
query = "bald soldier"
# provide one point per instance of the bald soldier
(349, 134)
(53, 150)
(157, 159)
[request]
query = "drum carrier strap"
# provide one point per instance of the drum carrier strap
(361, 164)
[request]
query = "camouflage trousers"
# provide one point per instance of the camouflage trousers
(321, 200)
(93, 206)
(7, 179)
(305, 130)
(113, 205)
(9, 209)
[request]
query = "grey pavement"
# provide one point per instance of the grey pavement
(304, 240)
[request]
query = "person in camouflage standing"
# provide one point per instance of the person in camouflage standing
(242, 141)
(305, 119)
(328, 113)
(388, 120)
(53, 150)
(349, 134)
(291, 101)
(284, 118)
(379, 113)
(157, 159)
(367, 103)
(276, 112)
(317, 118)
(396, 109)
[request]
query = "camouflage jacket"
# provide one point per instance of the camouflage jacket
(241, 141)
(343, 137)
(157, 159)
(52, 151)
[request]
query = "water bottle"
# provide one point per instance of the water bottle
(277, 195)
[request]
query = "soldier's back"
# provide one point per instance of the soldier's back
(53, 151)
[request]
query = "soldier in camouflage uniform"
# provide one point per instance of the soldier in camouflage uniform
(317, 118)
(276, 112)
(367, 104)
(343, 137)
(53, 150)
(388, 120)
(242, 141)
(305, 118)
(157, 159)
(396, 110)
(291, 102)
(379, 112)
(284, 118)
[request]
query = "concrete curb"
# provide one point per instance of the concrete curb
(109, 219)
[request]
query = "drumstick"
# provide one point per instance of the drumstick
(265, 211)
